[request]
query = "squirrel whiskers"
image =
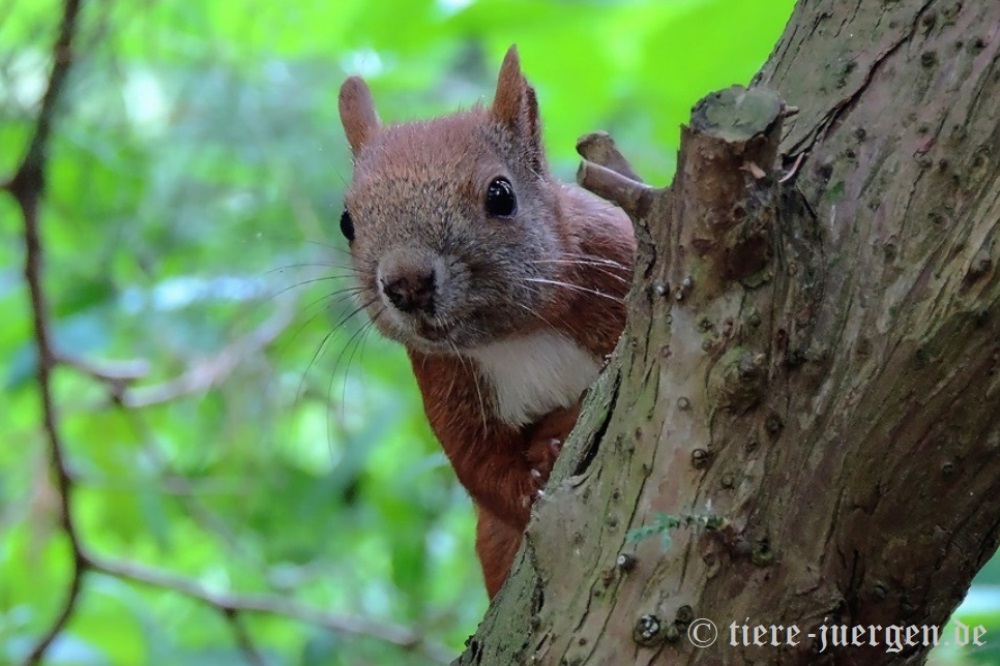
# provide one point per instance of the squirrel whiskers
(505, 286)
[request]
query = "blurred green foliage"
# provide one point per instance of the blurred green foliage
(190, 228)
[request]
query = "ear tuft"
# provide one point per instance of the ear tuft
(516, 107)
(510, 90)
(357, 113)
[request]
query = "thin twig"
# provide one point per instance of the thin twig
(27, 187)
(205, 374)
(243, 640)
(120, 376)
(388, 632)
(634, 197)
(28, 184)
(795, 169)
(186, 494)
(111, 372)
(600, 148)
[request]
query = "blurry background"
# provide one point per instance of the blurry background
(272, 451)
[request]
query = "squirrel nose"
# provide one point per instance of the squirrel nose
(411, 292)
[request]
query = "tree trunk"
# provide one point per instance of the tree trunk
(799, 427)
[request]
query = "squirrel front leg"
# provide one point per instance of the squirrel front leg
(535, 453)
(499, 476)
(497, 541)
(509, 478)
(488, 456)
(505, 471)
(502, 466)
(496, 545)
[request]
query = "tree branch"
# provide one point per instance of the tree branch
(600, 148)
(205, 374)
(117, 372)
(605, 172)
(28, 183)
(27, 187)
(633, 196)
(201, 375)
(243, 640)
(226, 603)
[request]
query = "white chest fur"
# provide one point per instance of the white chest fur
(533, 375)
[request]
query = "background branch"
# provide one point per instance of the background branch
(27, 187)
(204, 374)
(243, 640)
(234, 603)
(120, 376)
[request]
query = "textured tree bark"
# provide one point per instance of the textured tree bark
(806, 397)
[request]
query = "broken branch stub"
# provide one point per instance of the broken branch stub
(724, 192)
(605, 172)
(600, 148)
(632, 196)
(721, 208)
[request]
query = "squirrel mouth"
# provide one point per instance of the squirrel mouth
(432, 332)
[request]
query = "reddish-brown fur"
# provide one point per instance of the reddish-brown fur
(592, 250)
(491, 459)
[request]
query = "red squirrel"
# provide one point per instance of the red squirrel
(505, 286)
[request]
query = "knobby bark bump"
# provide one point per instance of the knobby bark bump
(799, 425)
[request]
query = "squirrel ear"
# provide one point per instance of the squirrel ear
(516, 107)
(357, 113)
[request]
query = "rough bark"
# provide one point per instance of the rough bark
(808, 381)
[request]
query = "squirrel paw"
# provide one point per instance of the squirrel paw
(542, 458)
(545, 442)
(528, 500)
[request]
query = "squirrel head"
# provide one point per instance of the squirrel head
(453, 223)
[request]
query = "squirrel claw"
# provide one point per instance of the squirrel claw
(531, 498)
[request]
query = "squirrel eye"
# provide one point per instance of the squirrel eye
(347, 226)
(500, 199)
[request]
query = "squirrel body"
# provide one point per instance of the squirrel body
(505, 286)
